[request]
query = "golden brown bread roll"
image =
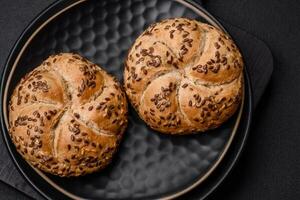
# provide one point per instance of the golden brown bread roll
(183, 76)
(67, 116)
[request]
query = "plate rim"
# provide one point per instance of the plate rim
(29, 33)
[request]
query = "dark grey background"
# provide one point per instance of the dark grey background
(269, 166)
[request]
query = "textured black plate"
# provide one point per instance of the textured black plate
(149, 165)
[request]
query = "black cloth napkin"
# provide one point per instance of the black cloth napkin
(259, 63)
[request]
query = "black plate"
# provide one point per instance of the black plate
(149, 165)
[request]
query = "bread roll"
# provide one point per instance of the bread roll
(183, 76)
(67, 116)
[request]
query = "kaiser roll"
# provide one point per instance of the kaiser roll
(183, 76)
(67, 116)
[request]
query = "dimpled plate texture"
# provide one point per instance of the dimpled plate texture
(149, 164)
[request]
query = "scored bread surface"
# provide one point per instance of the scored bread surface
(183, 76)
(67, 116)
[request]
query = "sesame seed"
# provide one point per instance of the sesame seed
(145, 71)
(184, 85)
(83, 133)
(171, 34)
(196, 120)
(79, 140)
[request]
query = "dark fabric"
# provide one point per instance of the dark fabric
(257, 57)
(268, 168)
(11, 193)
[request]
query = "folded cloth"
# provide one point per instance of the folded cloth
(259, 63)
(257, 57)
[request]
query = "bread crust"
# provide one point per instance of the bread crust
(67, 116)
(183, 76)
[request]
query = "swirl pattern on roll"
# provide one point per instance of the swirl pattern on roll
(67, 116)
(183, 76)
